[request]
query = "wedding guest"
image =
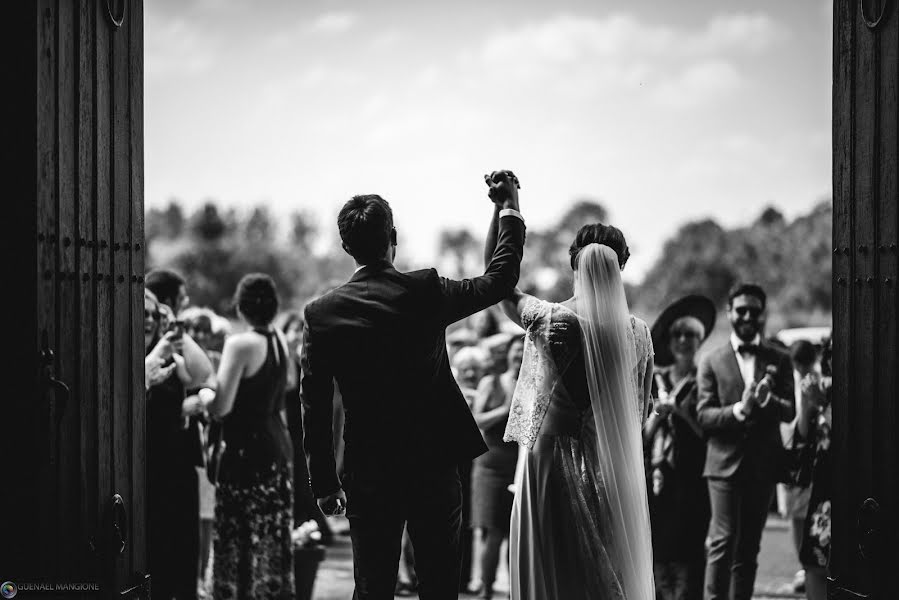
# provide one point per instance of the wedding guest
(172, 487)
(497, 347)
(458, 339)
(407, 577)
(305, 507)
(675, 450)
(252, 555)
(209, 330)
(484, 323)
(494, 471)
(814, 427)
(804, 357)
(740, 408)
(514, 357)
(199, 323)
(170, 288)
(468, 366)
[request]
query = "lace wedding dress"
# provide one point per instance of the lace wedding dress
(568, 541)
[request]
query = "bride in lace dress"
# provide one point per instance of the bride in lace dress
(580, 522)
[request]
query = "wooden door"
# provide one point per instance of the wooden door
(79, 511)
(866, 396)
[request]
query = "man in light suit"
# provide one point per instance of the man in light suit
(745, 392)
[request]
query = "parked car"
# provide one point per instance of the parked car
(815, 335)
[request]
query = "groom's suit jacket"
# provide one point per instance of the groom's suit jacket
(757, 440)
(381, 337)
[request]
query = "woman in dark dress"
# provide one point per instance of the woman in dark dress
(254, 498)
(172, 489)
(675, 449)
(494, 472)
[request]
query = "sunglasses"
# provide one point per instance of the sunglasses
(686, 333)
(752, 311)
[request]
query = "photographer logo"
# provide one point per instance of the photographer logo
(8, 589)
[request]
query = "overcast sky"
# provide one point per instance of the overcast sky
(663, 111)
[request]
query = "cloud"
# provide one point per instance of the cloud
(697, 84)
(386, 40)
(566, 38)
(175, 47)
(740, 33)
(586, 55)
(334, 22)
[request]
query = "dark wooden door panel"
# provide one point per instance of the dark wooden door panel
(86, 423)
(87, 251)
(866, 397)
(46, 410)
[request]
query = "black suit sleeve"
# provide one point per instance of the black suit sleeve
(317, 394)
(460, 299)
(710, 413)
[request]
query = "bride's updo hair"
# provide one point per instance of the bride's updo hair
(597, 233)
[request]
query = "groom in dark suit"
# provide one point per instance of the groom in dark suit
(381, 337)
(745, 392)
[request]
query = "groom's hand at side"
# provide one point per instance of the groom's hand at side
(334, 504)
(504, 188)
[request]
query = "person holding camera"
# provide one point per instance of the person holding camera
(813, 427)
(745, 392)
(173, 439)
(172, 496)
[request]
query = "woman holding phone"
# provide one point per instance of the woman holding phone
(172, 493)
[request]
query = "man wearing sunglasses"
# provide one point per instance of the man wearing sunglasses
(745, 392)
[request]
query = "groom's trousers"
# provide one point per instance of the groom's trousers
(378, 507)
(739, 512)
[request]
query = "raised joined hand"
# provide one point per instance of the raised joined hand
(504, 186)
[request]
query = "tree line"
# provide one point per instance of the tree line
(214, 246)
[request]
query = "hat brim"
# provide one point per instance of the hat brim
(694, 305)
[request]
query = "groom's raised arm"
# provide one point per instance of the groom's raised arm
(468, 296)
(317, 394)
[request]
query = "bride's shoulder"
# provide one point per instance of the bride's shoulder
(640, 329)
(534, 310)
(639, 324)
(642, 334)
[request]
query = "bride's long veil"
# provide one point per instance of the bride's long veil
(610, 359)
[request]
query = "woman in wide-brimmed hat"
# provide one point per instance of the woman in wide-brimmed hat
(675, 451)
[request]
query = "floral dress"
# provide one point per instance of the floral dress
(815, 549)
(254, 499)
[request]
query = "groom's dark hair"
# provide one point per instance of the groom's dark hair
(597, 233)
(366, 228)
(747, 289)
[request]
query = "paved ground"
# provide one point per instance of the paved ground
(777, 566)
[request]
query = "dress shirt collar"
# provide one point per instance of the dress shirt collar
(736, 342)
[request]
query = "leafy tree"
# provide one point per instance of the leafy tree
(303, 230)
(461, 244)
(167, 223)
(207, 224)
(259, 227)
